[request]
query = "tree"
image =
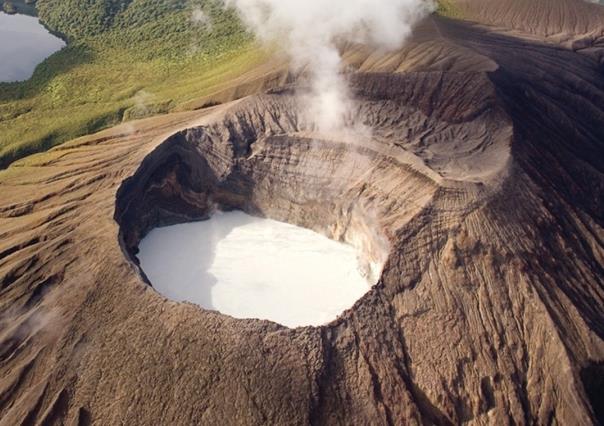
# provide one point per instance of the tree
(9, 7)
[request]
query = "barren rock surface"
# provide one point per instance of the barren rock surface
(482, 185)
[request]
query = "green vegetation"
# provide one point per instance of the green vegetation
(19, 6)
(448, 8)
(9, 7)
(125, 59)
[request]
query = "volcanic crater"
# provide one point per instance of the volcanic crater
(264, 158)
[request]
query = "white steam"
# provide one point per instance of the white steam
(310, 31)
(199, 17)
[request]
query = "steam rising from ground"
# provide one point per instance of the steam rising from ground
(199, 17)
(311, 30)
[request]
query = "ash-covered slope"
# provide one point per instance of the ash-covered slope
(575, 24)
(561, 20)
(482, 183)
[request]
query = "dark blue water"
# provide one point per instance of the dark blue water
(24, 43)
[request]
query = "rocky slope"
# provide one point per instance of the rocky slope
(481, 185)
(560, 19)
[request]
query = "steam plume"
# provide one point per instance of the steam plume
(199, 17)
(310, 31)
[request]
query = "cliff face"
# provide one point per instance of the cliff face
(481, 185)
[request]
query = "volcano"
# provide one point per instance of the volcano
(480, 190)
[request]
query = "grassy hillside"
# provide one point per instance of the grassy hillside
(448, 8)
(125, 59)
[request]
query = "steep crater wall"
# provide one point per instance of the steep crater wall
(263, 157)
(286, 178)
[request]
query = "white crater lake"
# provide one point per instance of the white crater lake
(249, 267)
(25, 43)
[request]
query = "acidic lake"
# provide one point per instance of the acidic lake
(25, 43)
(248, 267)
